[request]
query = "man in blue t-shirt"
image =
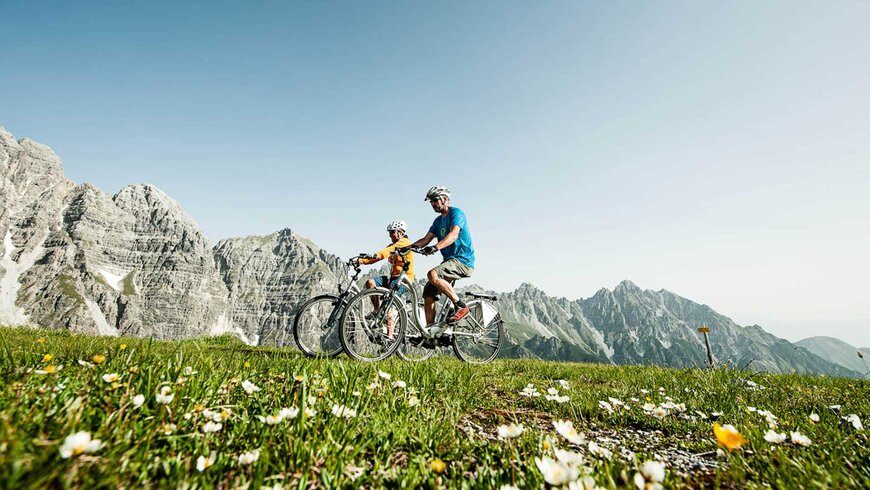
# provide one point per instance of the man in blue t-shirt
(454, 242)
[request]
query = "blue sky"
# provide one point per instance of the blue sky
(717, 150)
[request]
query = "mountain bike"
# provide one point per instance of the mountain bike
(364, 328)
(316, 324)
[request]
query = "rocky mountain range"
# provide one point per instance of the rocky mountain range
(842, 353)
(135, 263)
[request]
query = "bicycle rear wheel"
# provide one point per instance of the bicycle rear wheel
(477, 338)
(372, 334)
(315, 327)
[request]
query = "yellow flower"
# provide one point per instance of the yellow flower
(50, 369)
(47, 357)
(199, 407)
(437, 465)
(728, 436)
(122, 346)
(247, 364)
(98, 359)
(40, 340)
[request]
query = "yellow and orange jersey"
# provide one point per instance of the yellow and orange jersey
(397, 261)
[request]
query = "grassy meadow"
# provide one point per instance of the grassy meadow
(215, 413)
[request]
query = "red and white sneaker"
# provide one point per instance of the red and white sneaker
(459, 315)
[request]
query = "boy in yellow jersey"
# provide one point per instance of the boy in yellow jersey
(397, 230)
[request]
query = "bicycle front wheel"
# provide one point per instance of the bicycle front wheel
(371, 329)
(315, 327)
(478, 337)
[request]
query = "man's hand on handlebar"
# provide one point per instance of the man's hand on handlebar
(429, 250)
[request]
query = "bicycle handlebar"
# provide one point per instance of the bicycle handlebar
(406, 250)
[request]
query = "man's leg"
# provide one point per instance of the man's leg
(442, 286)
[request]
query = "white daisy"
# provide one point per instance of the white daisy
(249, 457)
(79, 443)
(510, 431)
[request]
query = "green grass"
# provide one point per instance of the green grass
(392, 442)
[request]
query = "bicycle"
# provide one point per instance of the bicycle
(316, 325)
(364, 328)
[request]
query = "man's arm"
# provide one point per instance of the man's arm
(426, 239)
(449, 239)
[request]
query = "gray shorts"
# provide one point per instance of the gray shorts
(449, 270)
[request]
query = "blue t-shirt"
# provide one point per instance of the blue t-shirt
(462, 249)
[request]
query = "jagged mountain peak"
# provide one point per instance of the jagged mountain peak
(530, 289)
(627, 285)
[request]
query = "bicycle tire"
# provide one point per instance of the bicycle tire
(489, 335)
(363, 340)
(314, 336)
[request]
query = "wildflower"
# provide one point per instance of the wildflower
(616, 402)
(569, 458)
(342, 411)
(247, 364)
(650, 476)
(413, 401)
(288, 413)
(384, 375)
(774, 437)
(122, 346)
(585, 483)
(644, 391)
(202, 464)
(564, 384)
(85, 363)
(800, 439)
(250, 388)
(309, 412)
(356, 394)
(79, 443)
(555, 472)
(98, 359)
(399, 384)
(312, 400)
(299, 378)
(599, 451)
(510, 431)
(552, 391)
(249, 457)
(188, 371)
(660, 412)
(437, 465)
(210, 427)
(47, 358)
(165, 396)
(272, 419)
(50, 369)
(648, 407)
(854, 420)
(557, 398)
(111, 378)
(814, 418)
(168, 429)
(530, 391)
(40, 340)
(187, 416)
(566, 429)
(138, 400)
(373, 386)
(605, 406)
(727, 435)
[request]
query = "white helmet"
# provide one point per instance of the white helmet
(437, 192)
(397, 225)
